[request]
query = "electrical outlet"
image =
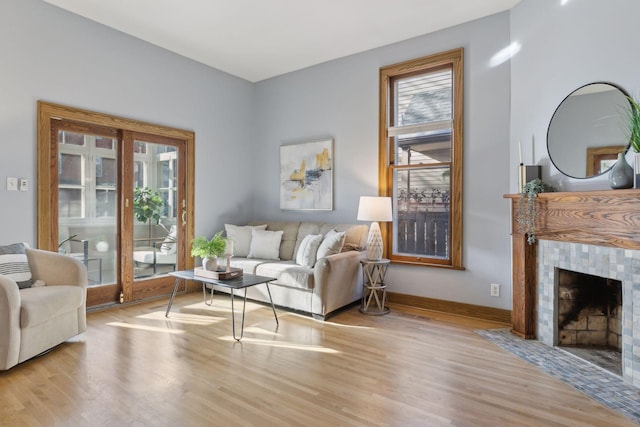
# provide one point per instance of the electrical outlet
(24, 185)
(495, 290)
(12, 183)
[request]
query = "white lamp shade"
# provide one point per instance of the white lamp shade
(374, 209)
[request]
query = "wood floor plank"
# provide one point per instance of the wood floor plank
(411, 367)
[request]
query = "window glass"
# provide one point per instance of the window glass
(421, 159)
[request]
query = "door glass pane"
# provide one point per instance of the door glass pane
(87, 203)
(155, 209)
(422, 212)
(70, 202)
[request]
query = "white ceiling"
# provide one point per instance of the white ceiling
(259, 39)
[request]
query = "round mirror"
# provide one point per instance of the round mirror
(588, 130)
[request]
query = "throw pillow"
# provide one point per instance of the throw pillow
(241, 236)
(15, 265)
(308, 248)
(331, 244)
(265, 244)
(169, 245)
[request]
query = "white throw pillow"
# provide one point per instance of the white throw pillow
(241, 236)
(170, 245)
(331, 244)
(265, 244)
(308, 248)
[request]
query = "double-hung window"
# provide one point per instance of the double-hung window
(421, 158)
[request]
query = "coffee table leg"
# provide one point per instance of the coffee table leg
(233, 315)
(173, 294)
(272, 306)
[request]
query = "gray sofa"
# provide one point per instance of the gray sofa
(333, 282)
(35, 319)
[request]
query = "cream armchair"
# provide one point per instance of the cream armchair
(33, 320)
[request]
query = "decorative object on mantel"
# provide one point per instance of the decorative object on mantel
(527, 207)
(621, 174)
(209, 250)
(374, 209)
(634, 136)
(527, 173)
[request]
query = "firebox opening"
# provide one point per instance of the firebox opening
(590, 317)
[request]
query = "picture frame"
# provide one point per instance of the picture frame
(306, 175)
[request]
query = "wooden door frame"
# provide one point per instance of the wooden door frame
(47, 194)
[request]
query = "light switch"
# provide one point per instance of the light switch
(12, 183)
(24, 185)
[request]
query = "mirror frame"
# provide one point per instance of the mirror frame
(594, 154)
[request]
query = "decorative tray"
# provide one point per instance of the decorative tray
(220, 274)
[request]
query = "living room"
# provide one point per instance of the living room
(556, 46)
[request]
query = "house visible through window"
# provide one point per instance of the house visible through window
(421, 158)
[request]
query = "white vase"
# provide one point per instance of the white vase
(210, 263)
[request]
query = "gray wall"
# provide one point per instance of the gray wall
(52, 55)
(563, 48)
(340, 99)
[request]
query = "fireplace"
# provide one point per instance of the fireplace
(590, 232)
(589, 310)
(601, 315)
(589, 317)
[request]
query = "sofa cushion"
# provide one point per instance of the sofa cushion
(247, 265)
(288, 273)
(332, 244)
(355, 237)
(241, 236)
(289, 235)
(265, 244)
(42, 304)
(306, 254)
(15, 264)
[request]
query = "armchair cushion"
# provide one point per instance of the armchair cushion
(15, 264)
(42, 305)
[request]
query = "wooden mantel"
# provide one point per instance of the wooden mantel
(602, 218)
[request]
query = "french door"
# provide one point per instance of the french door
(117, 197)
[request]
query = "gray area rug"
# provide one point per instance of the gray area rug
(592, 380)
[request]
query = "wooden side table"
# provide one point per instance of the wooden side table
(375, 290)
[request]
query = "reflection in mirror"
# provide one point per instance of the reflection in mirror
(588, 130)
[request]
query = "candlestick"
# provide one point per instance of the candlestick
(228, 249)
(520, 151)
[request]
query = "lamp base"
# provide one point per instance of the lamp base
(374, 242)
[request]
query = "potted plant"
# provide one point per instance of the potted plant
(147, 206)
(527, 207)
(209, 250)
(633, 127)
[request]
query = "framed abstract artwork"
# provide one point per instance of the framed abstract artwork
(306, 176)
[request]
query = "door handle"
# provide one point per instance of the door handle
(184, 217)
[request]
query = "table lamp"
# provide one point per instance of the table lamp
(374, 209)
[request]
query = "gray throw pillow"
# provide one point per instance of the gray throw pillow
(15, 265)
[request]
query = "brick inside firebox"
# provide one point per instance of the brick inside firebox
(589, 310)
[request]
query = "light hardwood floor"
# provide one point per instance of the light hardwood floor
(134, 367)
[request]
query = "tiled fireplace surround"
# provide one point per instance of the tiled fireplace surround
(609, 262)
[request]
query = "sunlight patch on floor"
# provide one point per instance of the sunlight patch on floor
(146, 328)
(292, 346)
(184, 318)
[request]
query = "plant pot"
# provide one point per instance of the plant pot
(210, 263)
